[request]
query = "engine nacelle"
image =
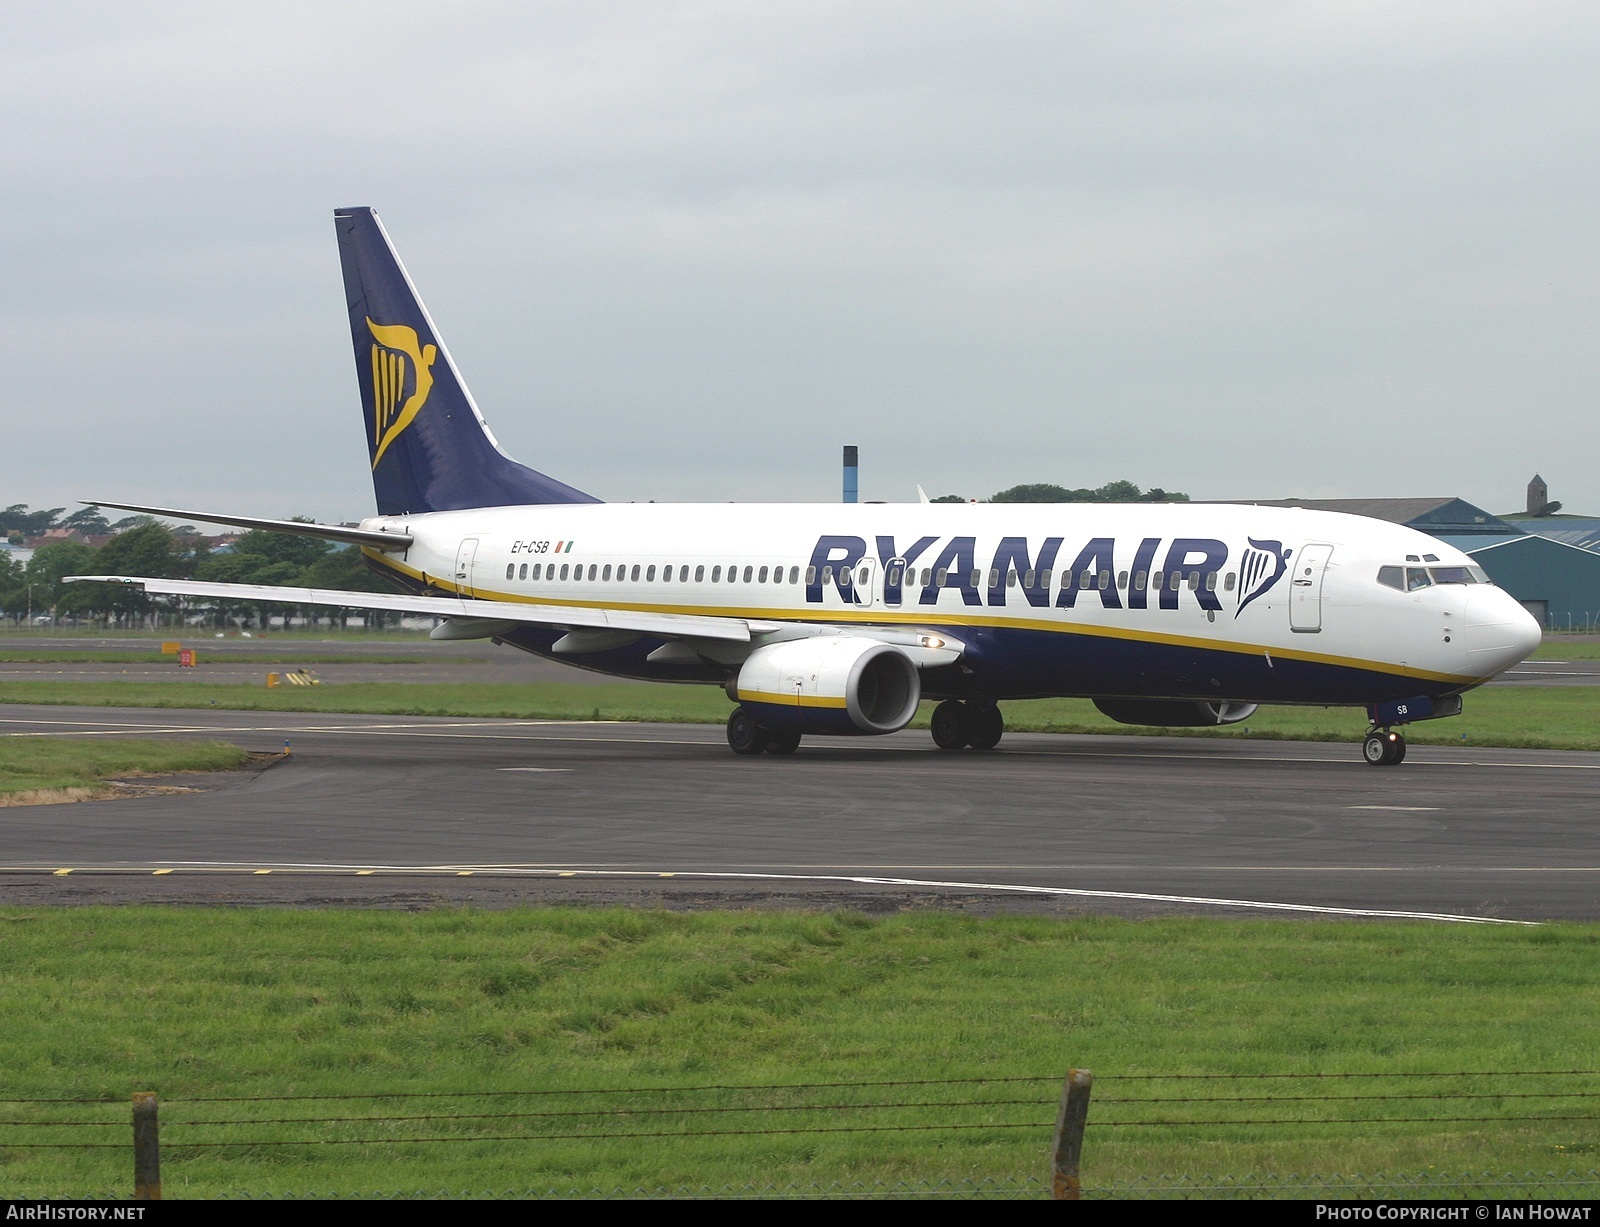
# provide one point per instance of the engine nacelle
(831, 684)
(1173, 713)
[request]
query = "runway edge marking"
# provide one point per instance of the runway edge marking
(861, 880)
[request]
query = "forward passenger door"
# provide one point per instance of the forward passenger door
(1305, 590)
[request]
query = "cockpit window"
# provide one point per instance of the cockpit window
(1453, 575)
(1393, 577)
(1417, 577)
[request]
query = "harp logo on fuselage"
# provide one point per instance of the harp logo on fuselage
(402, 377)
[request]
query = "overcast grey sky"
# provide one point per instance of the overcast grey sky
(686, 251)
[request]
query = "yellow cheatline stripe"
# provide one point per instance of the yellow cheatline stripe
(788, 700)
(895, 618)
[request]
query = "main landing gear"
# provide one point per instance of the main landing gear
(956, 724)
(745, 736)
(1383, 748)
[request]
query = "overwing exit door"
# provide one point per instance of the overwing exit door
(1305, 591)
(464, 557)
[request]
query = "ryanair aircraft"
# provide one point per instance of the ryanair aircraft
(841, 618)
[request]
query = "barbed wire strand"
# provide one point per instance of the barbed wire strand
(563, 1137)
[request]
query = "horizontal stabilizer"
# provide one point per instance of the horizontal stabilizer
(329, 532)
(673, 626)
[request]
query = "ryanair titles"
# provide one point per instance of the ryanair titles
(917, 572)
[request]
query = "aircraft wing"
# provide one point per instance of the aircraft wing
(327, 532)
(676, 626)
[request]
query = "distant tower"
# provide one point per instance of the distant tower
(1538, 495)
(851, 470)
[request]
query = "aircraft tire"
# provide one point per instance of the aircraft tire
(988, 726)
(783, 743)
(951, 725)
(745, 736)
(1383, 748)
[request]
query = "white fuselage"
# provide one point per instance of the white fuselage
(1254, 603)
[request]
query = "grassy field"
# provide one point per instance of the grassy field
(31, 764)
(1559, 717)
(199, 1003)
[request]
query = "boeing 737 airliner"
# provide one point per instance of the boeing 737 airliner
(841, 618)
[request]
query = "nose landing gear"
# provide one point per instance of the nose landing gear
(1383, 748)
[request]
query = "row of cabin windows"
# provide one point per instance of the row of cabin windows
(896, 576)
(642, 573)
(1083, 580)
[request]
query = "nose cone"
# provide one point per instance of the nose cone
(1499, 632)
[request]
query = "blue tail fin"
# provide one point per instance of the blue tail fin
(429, 445)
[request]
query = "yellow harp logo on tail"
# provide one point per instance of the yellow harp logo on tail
(397, 349)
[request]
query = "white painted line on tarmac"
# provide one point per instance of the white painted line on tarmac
(543, 769)
(862, 880)
(1404, 809)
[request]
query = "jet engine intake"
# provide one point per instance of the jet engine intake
(1176, 713)
(842, 684)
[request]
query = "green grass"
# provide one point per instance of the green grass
(1568, 647)
(1557, 717)
(30, 763)
(102, 1002)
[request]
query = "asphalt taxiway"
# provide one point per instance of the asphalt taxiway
(404, 811)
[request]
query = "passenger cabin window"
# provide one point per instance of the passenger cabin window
(1227, 582)
(511, 568)
(811, 575)
(538, 567)
(716, 575)
(1417, 577)
(1392, 577)
(699, 575)
(794, 575)
(1211, 581)
(1122, 580)
(827, 576)
(1138, 582)
(563, 570)
(1155, 580)
(762, 578)
(845, 576)
(592, 567)
(606, 574)
(650, 573)
(747, 573)
(1105, 580)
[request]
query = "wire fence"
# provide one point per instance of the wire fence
(698, 1123)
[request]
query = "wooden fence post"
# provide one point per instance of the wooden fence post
(1067, 1149)
(146, 1148)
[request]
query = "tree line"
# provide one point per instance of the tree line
(147, 547)
(1045, 492)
